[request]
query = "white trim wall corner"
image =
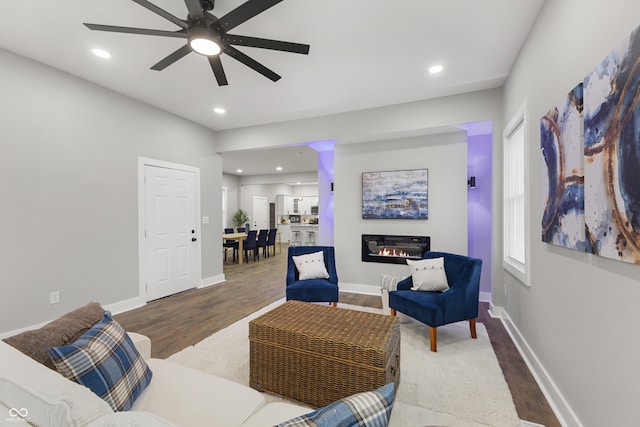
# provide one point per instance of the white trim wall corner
(142, 255)
(212, 281)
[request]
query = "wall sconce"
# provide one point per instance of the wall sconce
(471, 182)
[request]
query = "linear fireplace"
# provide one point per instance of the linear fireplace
(392, 248)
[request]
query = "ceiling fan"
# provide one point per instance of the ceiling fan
(208, 35)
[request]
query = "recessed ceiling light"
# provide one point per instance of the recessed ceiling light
(435, 69)
(219, 110)
(279, 168)
(101, 53)
(239, 170)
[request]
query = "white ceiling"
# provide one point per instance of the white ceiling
(364, 53)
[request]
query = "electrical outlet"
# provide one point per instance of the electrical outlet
(54, 297)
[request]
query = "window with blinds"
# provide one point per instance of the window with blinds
(515, 197)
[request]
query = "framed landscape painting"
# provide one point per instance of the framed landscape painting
(395, 194)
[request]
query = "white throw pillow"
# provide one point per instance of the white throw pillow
(428, 275)
(311, 266)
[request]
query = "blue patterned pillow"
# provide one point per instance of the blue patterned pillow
(105, 359)
(370, 409)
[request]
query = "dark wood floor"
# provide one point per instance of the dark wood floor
(184, 319)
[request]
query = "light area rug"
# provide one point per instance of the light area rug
(459, 385)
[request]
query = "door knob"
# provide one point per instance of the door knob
(193, 239)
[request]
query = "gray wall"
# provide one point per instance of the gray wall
(68, 167)
(445, 157)
(386, 124)
(232, 182)
(578, 315)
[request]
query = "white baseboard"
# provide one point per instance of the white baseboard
(559, 404)
(211, 281)
(115, 308)
(485, 296)
(358, 288)
(126, 305)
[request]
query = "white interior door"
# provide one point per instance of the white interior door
(260, 213)
(170, 229)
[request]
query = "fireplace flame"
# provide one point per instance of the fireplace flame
(392, 252)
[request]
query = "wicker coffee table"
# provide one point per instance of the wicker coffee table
(318, 354)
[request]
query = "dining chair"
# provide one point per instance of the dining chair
(230, 244)
(261, 243)
(271, 240)
(250, 245)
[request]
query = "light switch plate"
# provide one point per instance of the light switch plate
(54, 297)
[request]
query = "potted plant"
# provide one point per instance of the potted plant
(240, 218)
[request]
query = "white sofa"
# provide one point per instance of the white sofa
(176, 396)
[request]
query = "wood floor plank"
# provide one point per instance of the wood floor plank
(184, 319)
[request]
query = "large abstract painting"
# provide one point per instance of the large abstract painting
(395, 194)
(612, 153)
(561, 129)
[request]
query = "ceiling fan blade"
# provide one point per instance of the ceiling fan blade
(172, 58)
(218, 71)
(166, 15)
(251, 63)
(195, 10)
(267, 44)
(245, 12)
(181, 34)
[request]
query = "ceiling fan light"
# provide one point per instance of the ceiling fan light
(204, 46)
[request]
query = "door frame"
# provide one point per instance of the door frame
(253, 214)
(142, 254)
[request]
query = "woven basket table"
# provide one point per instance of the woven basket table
(318, 354)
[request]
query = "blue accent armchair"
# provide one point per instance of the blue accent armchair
(458, 303)
(312, 290)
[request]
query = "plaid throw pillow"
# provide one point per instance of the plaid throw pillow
(105, 359)
(370, 409)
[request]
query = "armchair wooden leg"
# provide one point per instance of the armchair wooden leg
(472, 327)
(393, 312)
(335, 303)
(433, 337)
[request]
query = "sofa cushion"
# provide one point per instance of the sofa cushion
(50, 399)
(189, 397)
(311, 266)
(372, 408)
(274, 413)
(105, 360)
(428, 274)
(131, 419)
(61, 331)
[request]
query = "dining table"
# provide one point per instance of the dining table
(238, 237)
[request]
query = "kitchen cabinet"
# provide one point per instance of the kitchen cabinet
(284, 204)
(304, 206)
(291, 205)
